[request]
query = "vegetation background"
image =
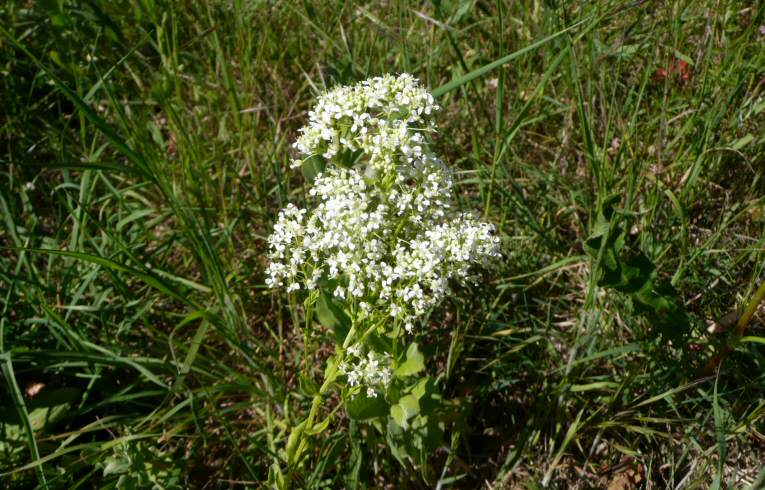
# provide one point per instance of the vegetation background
(617, 145)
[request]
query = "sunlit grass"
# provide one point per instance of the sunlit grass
(145, 155)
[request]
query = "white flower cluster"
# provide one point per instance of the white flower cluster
(383, 118)
(383, 235)
(390, 251)
(372, 371)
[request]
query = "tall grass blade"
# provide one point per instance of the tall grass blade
(479, 72)
(18, 400)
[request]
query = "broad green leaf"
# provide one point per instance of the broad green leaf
(414, 362)
(633, 273)
(50, 407)
(348, 158)
(45, 410)
(407, 407)
(313, 166)
(363, 407)
(427, 393)
(395, 436)
(332, 316)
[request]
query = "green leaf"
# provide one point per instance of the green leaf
(148, 277)
(110, 166)
(363, 407)
(633, 273)
(332, 316)
(396, 439)
(407, 407)
(661, 303)
(45, 411)
(313, 166)
(750, 338)
(275, 476)
(722, 448)
(353, 475)
(308, 386)
(331, 372)
(430, 433)
(195, 344)
(293, 442)
(50, 407)
(117, 465)
(414, 362)
(415, 436)
(742, 142)
(427, 393)
(347, 158)
(318, 428)
(602, 227)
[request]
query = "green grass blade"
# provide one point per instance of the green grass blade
(479, 72)
(89, 113)
(148, 278)
(720, 435)
(18, 400)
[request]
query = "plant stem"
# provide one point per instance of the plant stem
(743, 321)
(751, 308)
(329, 378)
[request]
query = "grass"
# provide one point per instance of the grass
(145, 150)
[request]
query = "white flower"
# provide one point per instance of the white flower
(386, 230)
(382, 117)
(384, 254)
(372, 371)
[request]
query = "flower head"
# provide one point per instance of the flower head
(390, 241)
(371, 371)
(385, 118)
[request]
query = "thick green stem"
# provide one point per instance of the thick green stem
(329, 378)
